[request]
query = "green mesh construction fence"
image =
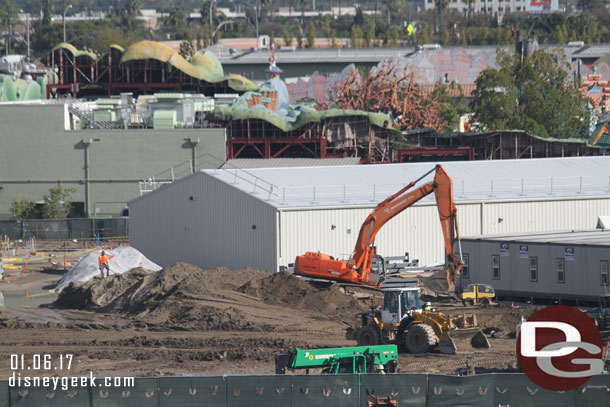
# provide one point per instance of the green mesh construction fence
(408, 390)
(52, 395)
(4, 394)
(143, 394)
(492, 390)
(269, 391)
(325, 391)
(192, 391)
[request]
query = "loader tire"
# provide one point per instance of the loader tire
(485, 302)
(420, 338)
(367, 336)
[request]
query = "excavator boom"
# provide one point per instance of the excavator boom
(358, 269)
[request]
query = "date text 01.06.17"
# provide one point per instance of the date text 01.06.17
(44, 362)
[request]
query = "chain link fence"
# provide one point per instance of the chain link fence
(65, 229)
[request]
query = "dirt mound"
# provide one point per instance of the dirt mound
(286, 290)
(181, 295)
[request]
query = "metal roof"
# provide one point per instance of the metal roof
(592, 51)
(288, 162)
(366, 185)
(355, 55)
(594, 237)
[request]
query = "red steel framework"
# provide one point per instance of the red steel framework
(82, 76)
(345, 136)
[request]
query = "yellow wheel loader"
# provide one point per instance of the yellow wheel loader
(402, 321)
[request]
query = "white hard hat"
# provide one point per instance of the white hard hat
(428, 303)
(379, 367)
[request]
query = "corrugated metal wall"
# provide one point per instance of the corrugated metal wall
(219, 226)
(544, 215)
(582, 270)
(418, 232)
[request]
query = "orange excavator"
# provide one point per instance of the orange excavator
(358, 269)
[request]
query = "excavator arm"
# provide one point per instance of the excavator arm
(358, 268)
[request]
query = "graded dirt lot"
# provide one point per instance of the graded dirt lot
(184, 321)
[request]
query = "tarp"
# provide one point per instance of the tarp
(120, 260)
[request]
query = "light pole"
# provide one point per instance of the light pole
(64, 19)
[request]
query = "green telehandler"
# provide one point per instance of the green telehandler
(354, 359)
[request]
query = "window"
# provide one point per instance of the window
(495, 264)
(533, 268)
(465, 270)
(518, 8)
(561, 273)
(604, 271)
(500, 9)
(489, 9)
(508, 9)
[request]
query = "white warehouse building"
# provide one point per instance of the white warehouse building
(265, 217)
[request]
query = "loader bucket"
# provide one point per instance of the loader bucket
(462, 340)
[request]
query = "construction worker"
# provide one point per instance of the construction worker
(380, 369)
(428, 306)
(103, 263)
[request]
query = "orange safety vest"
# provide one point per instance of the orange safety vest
(103, 260)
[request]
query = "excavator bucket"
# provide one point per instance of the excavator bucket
(437, 283)
(462, 340)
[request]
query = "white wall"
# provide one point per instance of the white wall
(211, 230)
(417, 229)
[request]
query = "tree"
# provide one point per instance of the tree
(22, 208)
(394, 34)
(57, 203)
(356, 36)
(359, 17)
(187, 49)
(129, 13)
(369, 36)
(451, 107)
(288, 37)
(176, 23)
(535, 95)
(311, 35)
(46, 13)
(207, 35)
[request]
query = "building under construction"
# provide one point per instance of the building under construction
(145, 67)
(427, 145)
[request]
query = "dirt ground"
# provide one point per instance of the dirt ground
(187, 321)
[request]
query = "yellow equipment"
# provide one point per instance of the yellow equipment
(477, 294)
(402, 321)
